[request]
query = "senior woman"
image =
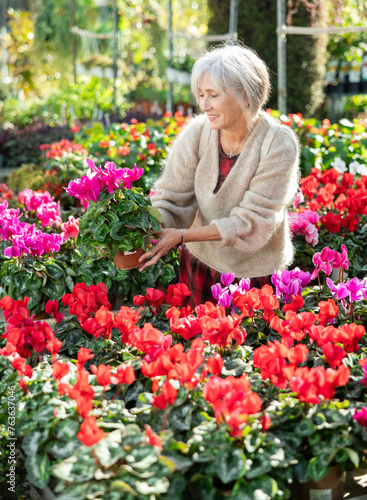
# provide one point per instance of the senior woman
(228, 179)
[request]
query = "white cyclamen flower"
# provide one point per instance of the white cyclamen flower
(339, 165)
(353, 167)
(362, 170)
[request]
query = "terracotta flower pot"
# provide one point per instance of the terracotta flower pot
(330, 487)
(128, 260)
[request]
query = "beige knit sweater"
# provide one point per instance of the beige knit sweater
(249, 210)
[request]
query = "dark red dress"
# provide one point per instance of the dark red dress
(195, 274)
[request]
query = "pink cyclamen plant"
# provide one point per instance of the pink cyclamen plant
(89, 186)
(305, 223)
(290, 283)
(329, 259)
(24, 238)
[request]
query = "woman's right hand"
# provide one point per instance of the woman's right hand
(167, 239)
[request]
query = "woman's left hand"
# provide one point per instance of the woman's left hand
(167, 238)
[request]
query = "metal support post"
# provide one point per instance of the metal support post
(73, 36)
(115, 39)
(233, 19)
(170, 57)
(4, 49)
(282, 58)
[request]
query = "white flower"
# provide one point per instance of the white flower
(339, 165)
(353, 167)
(318, 163)
(362, 170)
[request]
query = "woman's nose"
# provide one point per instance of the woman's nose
(205, 105)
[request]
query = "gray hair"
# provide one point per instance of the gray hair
(235, 69)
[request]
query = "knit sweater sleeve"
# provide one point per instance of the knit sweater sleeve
(263, 208)
(174, 190)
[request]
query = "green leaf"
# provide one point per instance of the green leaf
(112, 217)
(35, 283)
(260, 465)
(70, 283)
(138, 220)
(142, 457)
(44, 414)
(54, 289)
(33, 439)
(101, 233)
(154, 212)
(230, 465)
(306, 428)
(153, 486)
(67, 429)
(20, 282)
(38, 470)
(54, 270)
(123, 487)
(316, 470)
(118, 231)
(61, 450)
(125, 207)
(353, 456)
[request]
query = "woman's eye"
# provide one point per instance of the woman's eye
(213, 96)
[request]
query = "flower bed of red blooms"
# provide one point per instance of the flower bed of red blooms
(304, 356)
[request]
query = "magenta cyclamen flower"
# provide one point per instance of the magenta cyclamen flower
(9, 218)
(227, 278)
(225, 299)
(361, 416)
(341, 259)
(33, 200)
(49, 214)
(216, 291)
(322, 261)
(110, 178)
(289, 283)
(304, 223)
(87, 187)
(364, 380)
(298, 199)
(131, 175)
(354, 289)
(70, 229)
(26, 239)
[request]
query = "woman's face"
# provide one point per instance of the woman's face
(223, 111)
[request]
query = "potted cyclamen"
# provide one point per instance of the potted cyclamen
(119, 218)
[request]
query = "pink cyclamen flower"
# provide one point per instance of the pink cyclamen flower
(290, 283)
(216, 291)
(322, 261)
(364, 380)
(341, 259)
(361, 416)
(9, 219)
(227, 278)
(304, 223)
(70, 229)
(34, 199)
(111, 178)
(131, 175)
(49, 214)
(87, 187)
(225, 299)
(298, 199)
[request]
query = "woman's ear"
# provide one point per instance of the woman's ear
(246, 99)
